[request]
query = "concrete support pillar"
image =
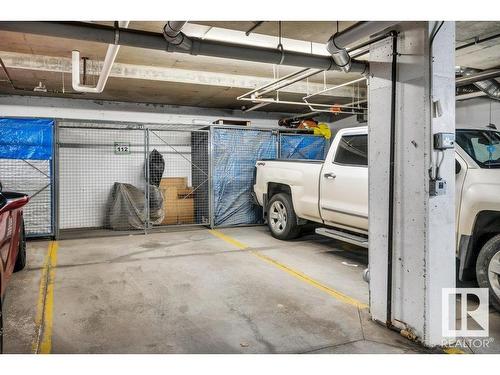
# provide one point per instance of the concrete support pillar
(423, 244)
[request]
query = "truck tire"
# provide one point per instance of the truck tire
(21, 254)
(281, 217)
(488, 270)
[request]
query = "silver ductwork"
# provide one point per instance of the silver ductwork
(172, 31)
(337, 44)
(490, 87)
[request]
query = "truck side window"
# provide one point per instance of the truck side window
(352, 150)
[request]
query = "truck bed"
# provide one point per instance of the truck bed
(307, 161)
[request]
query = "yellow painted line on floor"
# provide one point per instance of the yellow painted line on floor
(228, 239)
(45, 303)
(41, 301)
(297, 274)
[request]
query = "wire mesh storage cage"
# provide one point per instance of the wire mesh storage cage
(302, 146)
(184, 182)
(234, 152)
(27, 166)
(116, 178)
(127, 178)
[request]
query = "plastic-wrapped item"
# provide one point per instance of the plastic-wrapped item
(26, 138)
(156, 167)
(234, 154)
(156, 207)
(303, 146)
(126, 209)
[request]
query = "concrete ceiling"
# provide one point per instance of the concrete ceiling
(312, 31)
(203, 81)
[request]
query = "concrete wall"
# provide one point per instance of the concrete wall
(476, 112)
(347, 122)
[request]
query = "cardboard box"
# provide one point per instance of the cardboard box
(179, 182)
(178, 201)
(169, 204)
(185, 211)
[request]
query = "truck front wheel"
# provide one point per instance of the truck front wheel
(281, 217)
(488, 269)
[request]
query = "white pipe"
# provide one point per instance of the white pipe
(334, 88)
(258, 105)
(106, 67)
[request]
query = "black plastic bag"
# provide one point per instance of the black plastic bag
(156, 167)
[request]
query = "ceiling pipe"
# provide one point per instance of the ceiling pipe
(255, 25)
(106, 66)
(474, 77)
(287, 83)
(256, 106)
(144, 39)
(293, 74)
(477, 41)
(338, 42)
(490, 87)
(172, 31)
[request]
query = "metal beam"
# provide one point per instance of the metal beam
(150, 40)
(23, 61)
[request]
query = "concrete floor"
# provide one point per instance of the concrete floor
(192, 292)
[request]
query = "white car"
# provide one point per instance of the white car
(334, 193)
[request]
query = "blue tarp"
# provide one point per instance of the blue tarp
(234, 154)
(303, 146)
(28, 138)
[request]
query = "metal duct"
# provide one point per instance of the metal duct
(338, 42)
(489, 86)
(172, 31)
(144, 39)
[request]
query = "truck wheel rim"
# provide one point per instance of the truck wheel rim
(278, 217)
(494, 273)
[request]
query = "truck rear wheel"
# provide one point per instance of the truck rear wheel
(488, 270)
(281, 217)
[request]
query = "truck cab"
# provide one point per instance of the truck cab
(334, 194)
(477, 207)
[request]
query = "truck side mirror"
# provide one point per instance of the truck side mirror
(458, 167)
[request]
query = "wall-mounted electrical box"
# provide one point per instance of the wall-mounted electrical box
(437, 187)
(444, 141)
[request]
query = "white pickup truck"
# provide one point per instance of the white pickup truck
(334, 193)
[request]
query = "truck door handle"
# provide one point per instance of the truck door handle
(330, 175)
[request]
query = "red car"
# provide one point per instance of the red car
(12, 241)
